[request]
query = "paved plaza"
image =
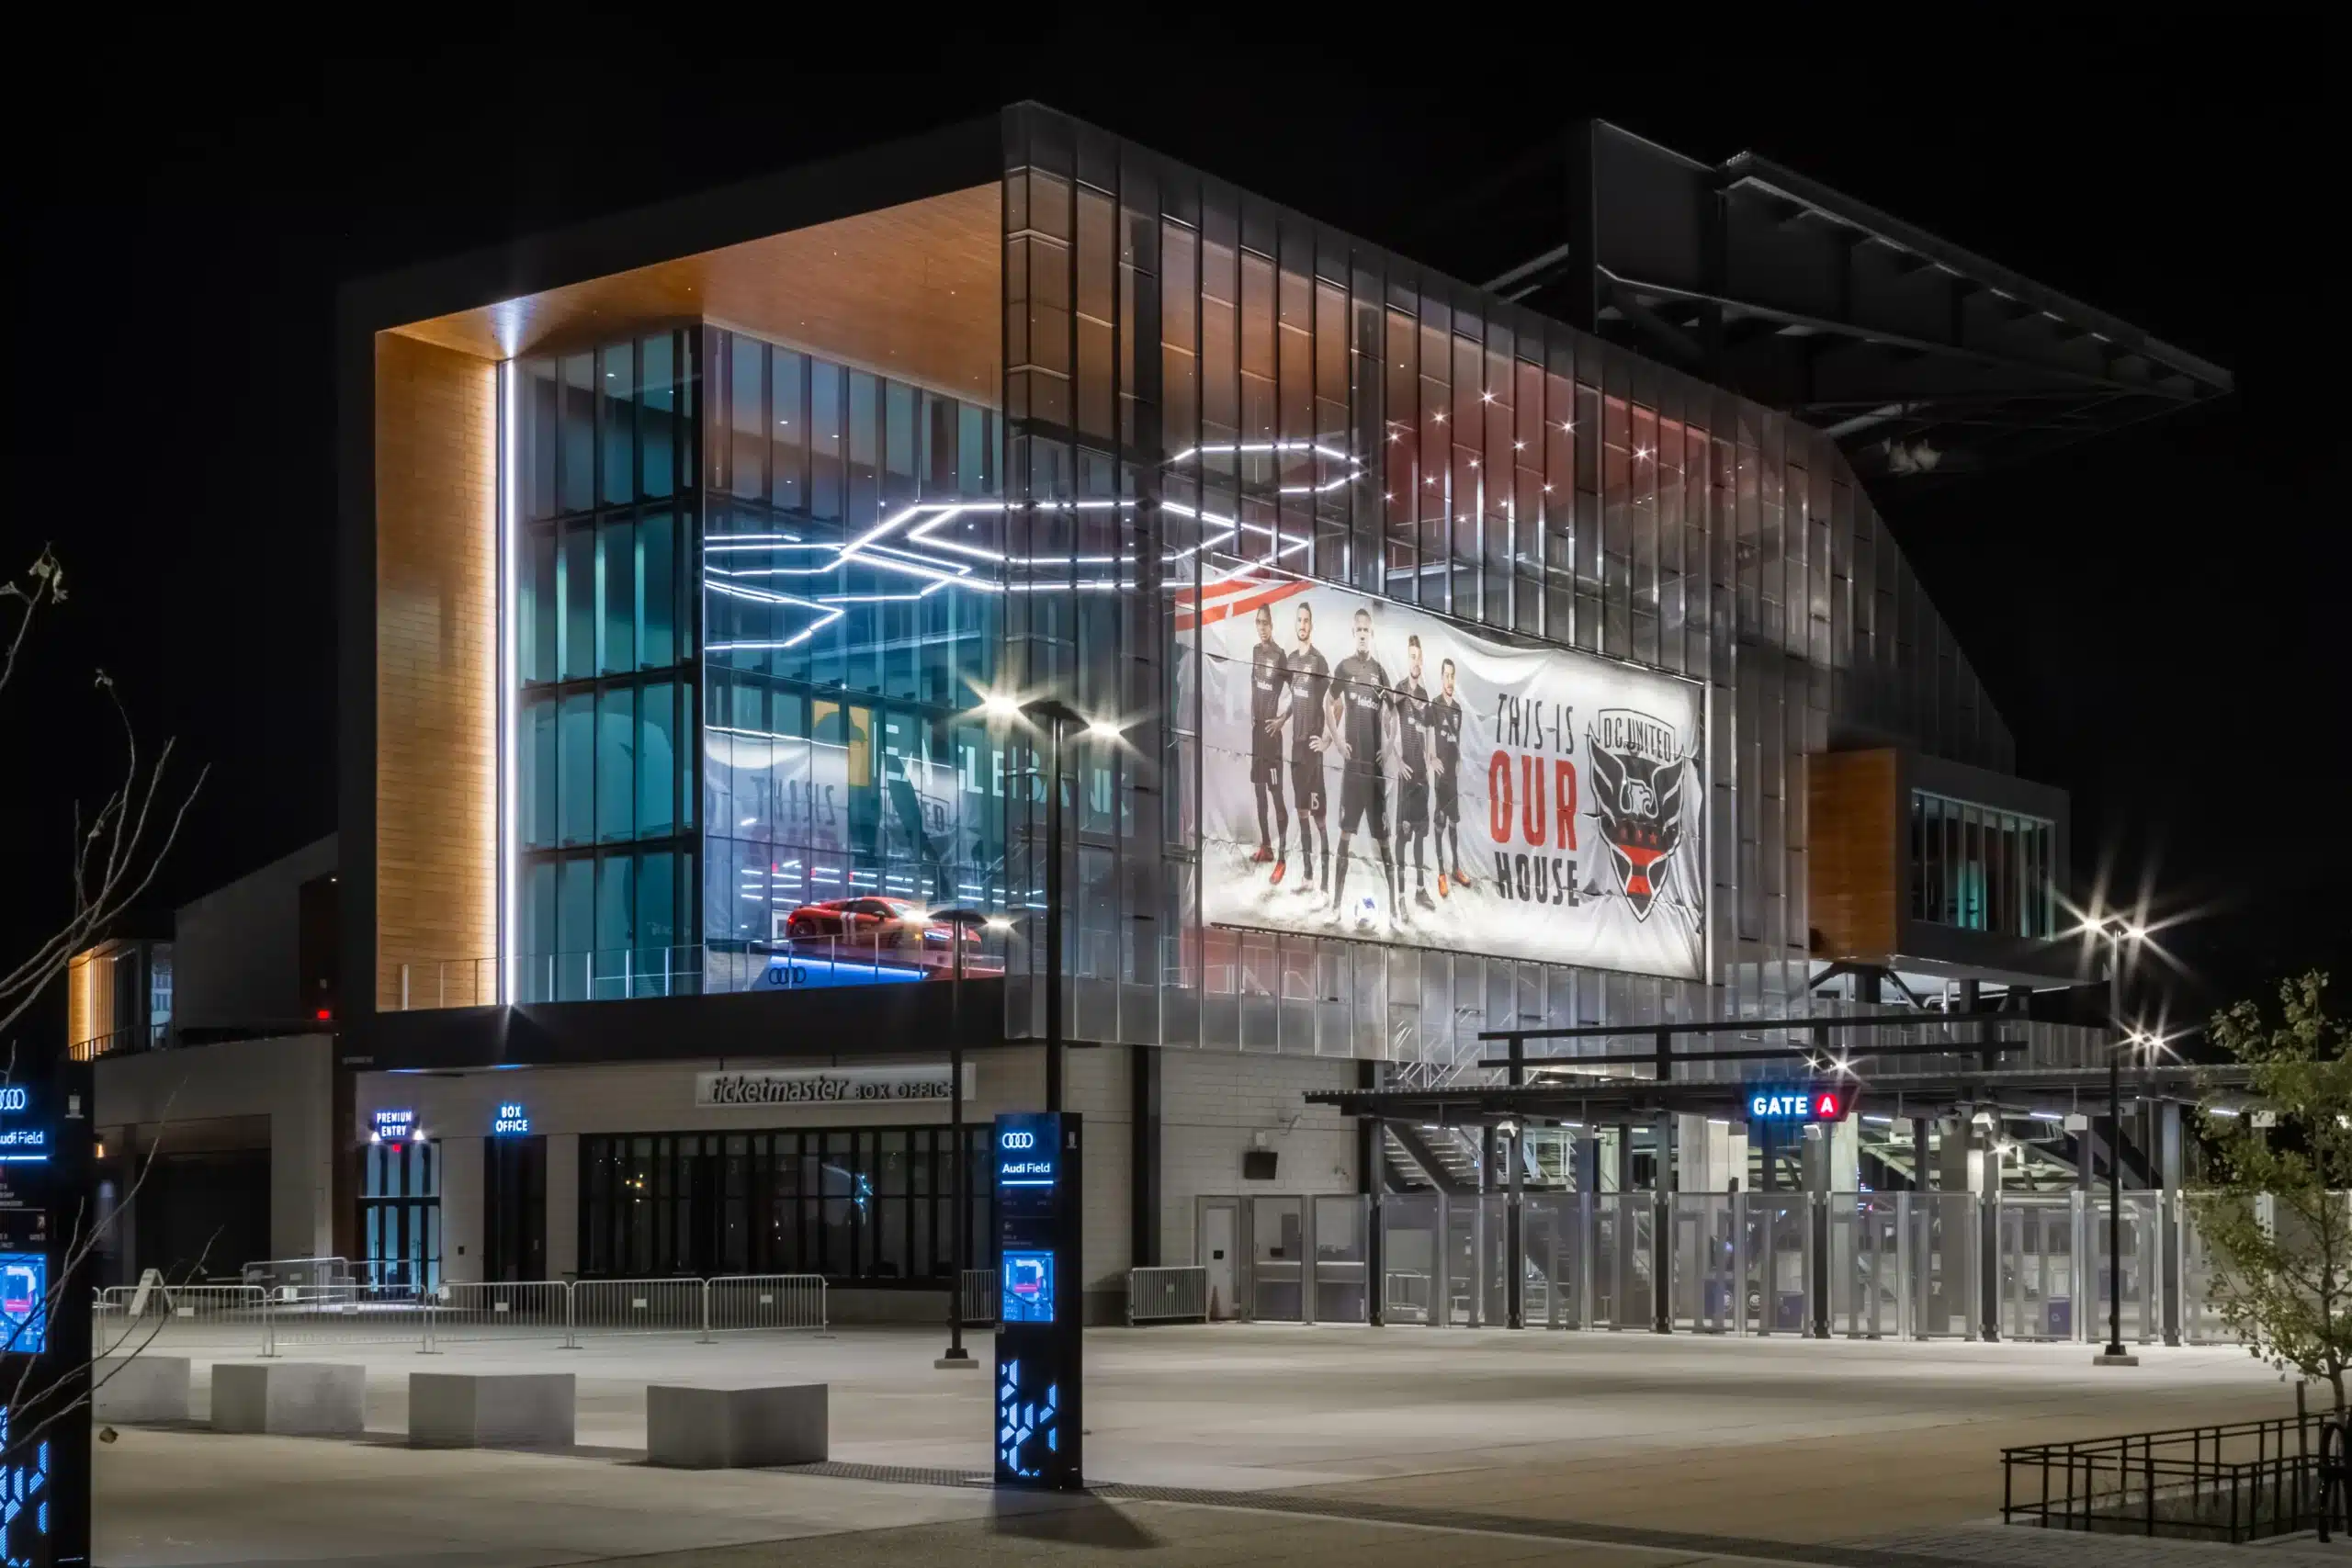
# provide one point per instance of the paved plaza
(1211, 1444)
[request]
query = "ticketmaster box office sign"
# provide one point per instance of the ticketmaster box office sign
(1377, 771)
(829, 1085)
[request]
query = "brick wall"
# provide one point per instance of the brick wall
(436, 854)
(1212, 1103)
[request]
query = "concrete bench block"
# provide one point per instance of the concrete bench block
(133, 1389)
(294, 1399)
(491, 1410)
(735, 1429)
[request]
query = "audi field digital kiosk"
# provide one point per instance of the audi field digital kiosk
(1039, 1398)
(46, 1245)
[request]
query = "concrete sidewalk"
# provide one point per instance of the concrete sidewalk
(191, 1500)
(1589, 1441)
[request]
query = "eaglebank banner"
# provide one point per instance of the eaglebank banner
(827, 1086)
(1375, 772)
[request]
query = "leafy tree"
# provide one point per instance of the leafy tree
(2277, 1220)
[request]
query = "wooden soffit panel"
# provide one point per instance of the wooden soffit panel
(1852, 828)
(913, 292)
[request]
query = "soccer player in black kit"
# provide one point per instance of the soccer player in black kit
(1310, 682)
(1360, 700)
(1269, 682)
(1413, 772)
(1445, 756)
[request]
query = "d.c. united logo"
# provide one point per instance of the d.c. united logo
(1636, 780)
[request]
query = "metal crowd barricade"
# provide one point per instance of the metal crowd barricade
(637, 1306)
(978, 1295)
(271, 1273)
(738, 1303)
(1179, 1294)
(338, 1315)
(531, 1309)
(144, 1315)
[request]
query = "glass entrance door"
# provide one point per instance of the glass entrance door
(400, 1216)
(514, 1209)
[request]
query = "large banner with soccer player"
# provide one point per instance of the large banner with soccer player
(1375, 772)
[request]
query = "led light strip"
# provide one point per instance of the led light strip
(506, 900)
(922, 520)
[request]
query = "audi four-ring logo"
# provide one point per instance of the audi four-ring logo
(1020, 1140)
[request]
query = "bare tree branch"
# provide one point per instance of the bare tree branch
(117, 853)
(80, 1245)
(113, 858)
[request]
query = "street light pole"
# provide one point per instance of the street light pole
(959, 923)
(2115, 1355)
(1057, 716)
(1054, 917)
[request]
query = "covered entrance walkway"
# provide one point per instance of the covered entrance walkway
(1963, 1195)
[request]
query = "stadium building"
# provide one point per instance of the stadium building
(1433, 773)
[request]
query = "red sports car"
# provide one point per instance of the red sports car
(870, 921)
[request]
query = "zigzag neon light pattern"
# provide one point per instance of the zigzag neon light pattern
(798, 580)
(1021, 1422)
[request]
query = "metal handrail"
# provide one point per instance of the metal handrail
(137, 1037)
(2236, 1482)
(718, 967)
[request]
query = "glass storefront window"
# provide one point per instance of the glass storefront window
(866, 1204)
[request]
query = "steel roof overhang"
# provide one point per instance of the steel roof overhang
(1922, 359)
(1633, 1099)
(1935, 1092)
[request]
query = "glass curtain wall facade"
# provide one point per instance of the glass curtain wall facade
(606, 497)
(1197, 379)
(842, 752)
(823, 569)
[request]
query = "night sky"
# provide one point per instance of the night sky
(2158, 614)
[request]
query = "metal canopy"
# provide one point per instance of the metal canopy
(1568, 1089)
(1922, 360)
(1939, 1093)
